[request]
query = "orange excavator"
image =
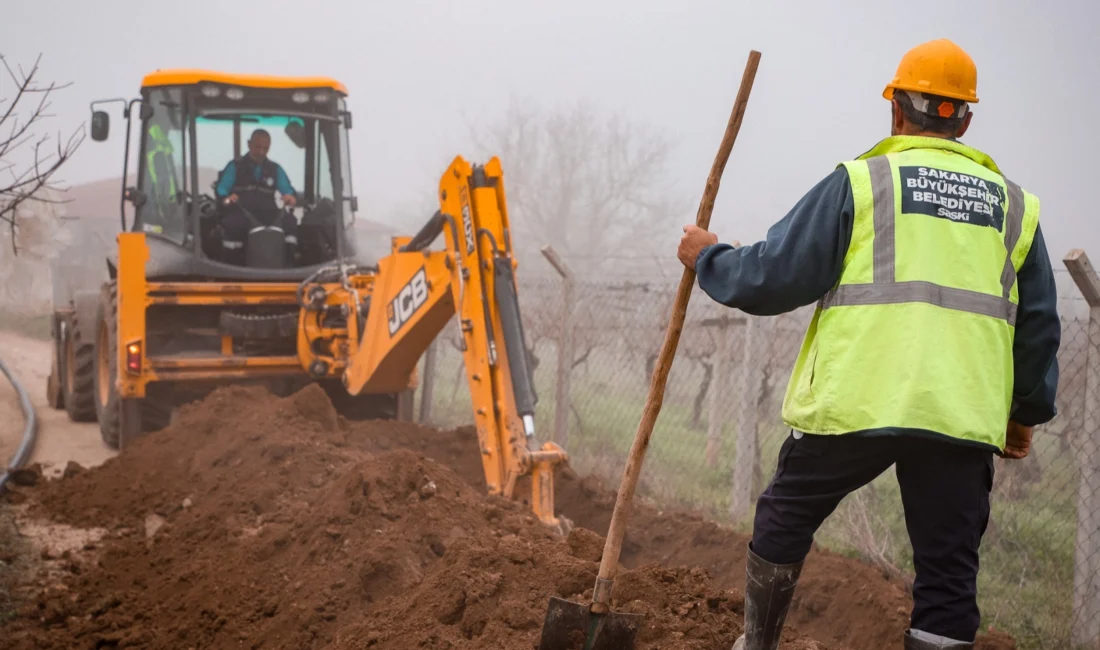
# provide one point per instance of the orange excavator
(175, 315)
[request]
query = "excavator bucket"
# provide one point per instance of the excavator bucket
(574, 626)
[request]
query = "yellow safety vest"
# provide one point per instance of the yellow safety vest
(163, 193)
(918, 331)
(159, 144)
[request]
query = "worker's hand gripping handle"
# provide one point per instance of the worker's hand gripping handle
(601, 596)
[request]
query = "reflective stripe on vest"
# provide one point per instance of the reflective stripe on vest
(885, 290)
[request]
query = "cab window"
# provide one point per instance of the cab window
(161, 170)
(215, 141)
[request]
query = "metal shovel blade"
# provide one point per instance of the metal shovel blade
(572, 626)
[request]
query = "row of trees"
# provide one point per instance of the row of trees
(595, 187)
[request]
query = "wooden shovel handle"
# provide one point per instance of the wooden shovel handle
(601, 596)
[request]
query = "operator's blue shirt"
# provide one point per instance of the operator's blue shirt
(801, 259)
(229, 178)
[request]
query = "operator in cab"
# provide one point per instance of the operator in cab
(249, 184)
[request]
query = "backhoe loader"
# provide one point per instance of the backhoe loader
(172, 317)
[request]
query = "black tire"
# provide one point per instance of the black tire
(157, 407)
(78, 389)
(108, 406)
(142, 415)
(258, 326)
(54, 397)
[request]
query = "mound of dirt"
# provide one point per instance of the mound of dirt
(260, 522)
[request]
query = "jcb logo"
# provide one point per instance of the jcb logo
(467, 221)
(408, 300)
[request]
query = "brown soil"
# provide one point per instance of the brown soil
(259, 522)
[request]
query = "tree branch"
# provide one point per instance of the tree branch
(585, 183)
(33, 179)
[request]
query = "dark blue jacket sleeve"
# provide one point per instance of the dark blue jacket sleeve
(798, 262)
(282, 182)
(1038, 335)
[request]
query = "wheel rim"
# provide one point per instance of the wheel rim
(103, 369)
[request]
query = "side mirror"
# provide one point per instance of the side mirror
(101, 125)
(355, 204)
(135, 196)
(347, 119)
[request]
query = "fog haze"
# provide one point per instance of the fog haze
(420, 73)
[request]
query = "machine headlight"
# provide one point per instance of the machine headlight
(234, 93)
(211, 91)
(321, 98)
(300, 97)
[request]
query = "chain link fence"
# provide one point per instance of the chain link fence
(715, 445)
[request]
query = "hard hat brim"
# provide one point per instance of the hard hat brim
(888, 93)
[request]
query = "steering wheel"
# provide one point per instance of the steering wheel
(207, 206)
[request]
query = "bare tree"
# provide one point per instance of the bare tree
(28, 161)
(594, 187)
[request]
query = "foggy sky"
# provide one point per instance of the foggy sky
(420, 72)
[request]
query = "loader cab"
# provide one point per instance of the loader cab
(193, 126)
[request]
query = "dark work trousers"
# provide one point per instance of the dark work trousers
(236, 226)
(945, 490)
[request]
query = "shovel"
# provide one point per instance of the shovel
(575, 626)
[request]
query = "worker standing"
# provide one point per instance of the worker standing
(932, 346)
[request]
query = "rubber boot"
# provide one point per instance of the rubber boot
(768, 592)
(914, 643)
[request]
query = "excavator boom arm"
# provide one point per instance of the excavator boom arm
(417, 291)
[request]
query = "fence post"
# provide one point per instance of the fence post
(1086, 569)
(717, 396)
(565, 348)
(427, 387)
(744, 468)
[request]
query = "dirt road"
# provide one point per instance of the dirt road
(59, 440)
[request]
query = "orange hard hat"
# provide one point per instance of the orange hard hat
(939, 68)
